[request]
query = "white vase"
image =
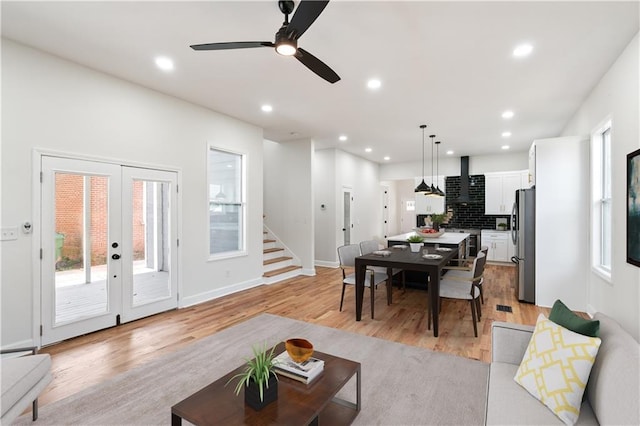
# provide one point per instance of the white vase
(415, 247)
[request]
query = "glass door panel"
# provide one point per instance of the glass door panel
(81, 225)
(150, 262)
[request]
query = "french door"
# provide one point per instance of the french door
(109, 249)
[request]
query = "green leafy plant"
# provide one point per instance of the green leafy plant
(439, 218)
(257, 369)
(502, 226)
(415, 239)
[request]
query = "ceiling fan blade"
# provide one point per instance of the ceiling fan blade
(232, 45)
(317, 66)
(306, 13)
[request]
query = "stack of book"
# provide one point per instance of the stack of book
(304, 372)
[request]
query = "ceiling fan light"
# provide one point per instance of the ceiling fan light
(286, 48)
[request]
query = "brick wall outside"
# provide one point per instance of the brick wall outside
(69, 219)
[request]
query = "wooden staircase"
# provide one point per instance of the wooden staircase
(278, 264)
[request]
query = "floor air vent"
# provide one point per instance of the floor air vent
(504, 308)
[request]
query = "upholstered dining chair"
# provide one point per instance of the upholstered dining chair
(467, 271)
(347, 255)
(370, 246)
(463, 288)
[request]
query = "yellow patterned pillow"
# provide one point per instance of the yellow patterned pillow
(556, 366)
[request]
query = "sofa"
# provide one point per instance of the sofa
(612, 395)
(23, 379)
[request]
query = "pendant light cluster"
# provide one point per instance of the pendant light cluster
(423, 188)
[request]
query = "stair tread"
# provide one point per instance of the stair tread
(281, 271)
(268, 241)
(276, 260)
(271, 250)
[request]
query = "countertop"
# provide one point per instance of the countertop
(453, 238)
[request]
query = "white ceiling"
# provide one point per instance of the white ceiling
(446, 64)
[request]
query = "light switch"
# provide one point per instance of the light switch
(8, 234)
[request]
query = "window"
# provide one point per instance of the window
(226, 185)
(601, 200)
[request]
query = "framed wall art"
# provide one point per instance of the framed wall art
(633, 208)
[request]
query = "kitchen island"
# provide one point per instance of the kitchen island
(455, 240)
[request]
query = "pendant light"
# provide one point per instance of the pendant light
(423, 188)
(438, 190)
(434, 191)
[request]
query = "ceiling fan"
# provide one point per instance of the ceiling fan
(286, 42)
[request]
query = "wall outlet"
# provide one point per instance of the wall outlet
(8, 234)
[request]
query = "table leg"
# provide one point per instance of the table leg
(175, 420)
(434, 292)
(360, 273)
(389, 285)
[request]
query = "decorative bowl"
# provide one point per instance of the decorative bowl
(428, 233)
(299, 350)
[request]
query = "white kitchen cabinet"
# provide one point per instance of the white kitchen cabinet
(426, 204)
(500, 189)
(499, 243)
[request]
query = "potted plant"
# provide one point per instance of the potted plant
(258, 379)
(502, 226)
(439, 219)
(415, 242)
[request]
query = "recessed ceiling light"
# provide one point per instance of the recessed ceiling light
(343, 138)
(368, 150)
(164, 63)
(266, 108)
(374, 84)
(449, 152)
(507, 114)
(506, 134)
(505, 146)
(522, 50)
(387, 158)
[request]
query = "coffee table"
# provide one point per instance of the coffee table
(297, 403)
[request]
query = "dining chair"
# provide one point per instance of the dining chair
(463, 288)
(347, 256)
(467, 272)
(369, 246)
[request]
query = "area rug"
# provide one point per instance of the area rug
(401, 384)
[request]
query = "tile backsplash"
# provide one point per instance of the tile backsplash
(470, 215)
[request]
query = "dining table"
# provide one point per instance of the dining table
(401, 257)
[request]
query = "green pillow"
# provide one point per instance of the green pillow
(563, 316)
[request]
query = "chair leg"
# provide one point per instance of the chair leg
(473, 315)
(404, 282)
(34, 411)
(481, 295)
(342, 297)
(478, 308)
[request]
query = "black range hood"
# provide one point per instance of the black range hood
(463, 197)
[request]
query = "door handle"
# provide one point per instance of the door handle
(115, 256)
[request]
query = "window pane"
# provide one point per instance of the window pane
(226, 204)
(606, 164)
(606, 234)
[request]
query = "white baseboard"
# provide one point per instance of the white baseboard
(214, 294)
(327, 264)
(28, 343)
(309, 272)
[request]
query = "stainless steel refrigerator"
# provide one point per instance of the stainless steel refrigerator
(523, 234)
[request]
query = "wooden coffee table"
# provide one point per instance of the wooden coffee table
(297, 403)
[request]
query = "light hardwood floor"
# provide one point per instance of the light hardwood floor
(84, 361)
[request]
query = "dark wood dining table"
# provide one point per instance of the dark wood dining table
(410, 261)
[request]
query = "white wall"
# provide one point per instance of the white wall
(363, 178)
(53, 104)
(288, 197)
(616, 95)
(326, 219)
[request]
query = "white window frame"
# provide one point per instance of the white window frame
(242, 175)
(601, 178)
